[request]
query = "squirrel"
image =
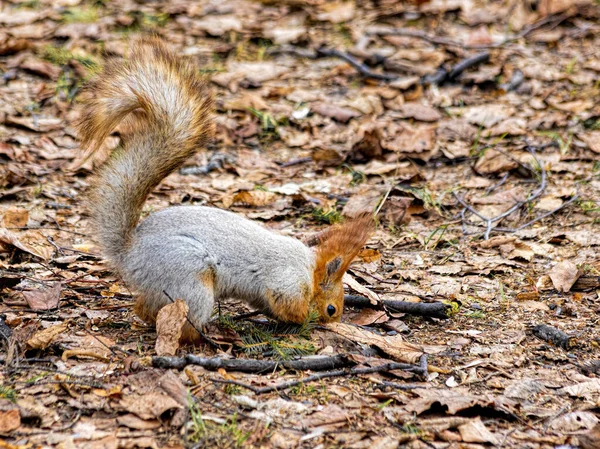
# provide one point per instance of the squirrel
(197, 253)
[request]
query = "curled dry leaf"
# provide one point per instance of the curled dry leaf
(44, 298)
(43, 338)
(10, 238)
(169, 326)
(394, 345)
(149, 406)
(563, 275)
(420, 112)
(354, 285)
(475, 432)
(337, 113)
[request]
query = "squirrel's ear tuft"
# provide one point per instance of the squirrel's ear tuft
(333, 266)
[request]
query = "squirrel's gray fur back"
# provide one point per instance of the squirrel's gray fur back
(173, 248)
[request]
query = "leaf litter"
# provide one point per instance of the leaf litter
(425, 111)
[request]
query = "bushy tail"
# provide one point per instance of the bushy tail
(171, 122)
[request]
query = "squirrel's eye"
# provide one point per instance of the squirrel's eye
(331, 310)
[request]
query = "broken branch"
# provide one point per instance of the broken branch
(313, 363)
(428, 309)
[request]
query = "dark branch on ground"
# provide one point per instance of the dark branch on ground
(428, 309)
(312, 363)
(420, 369)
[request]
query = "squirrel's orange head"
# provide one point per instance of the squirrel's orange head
(334, 254)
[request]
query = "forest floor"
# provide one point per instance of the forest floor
(473, 127)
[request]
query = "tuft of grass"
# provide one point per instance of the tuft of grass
(589, 206)
(358, 177)
(329, 216)
(475, 314)
(8, 393)
(211, 433)
(563, 144)
(80, 15)
(62, 56)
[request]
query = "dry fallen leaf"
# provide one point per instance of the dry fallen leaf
(45, 297)
(394, 346)
(356, 286)
(475, 432)
(10, 417)
(563, 275)
(11, 238)
(169, 326)
(43, 338)
(15, 217)
(150, 405)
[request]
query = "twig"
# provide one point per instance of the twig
(467, 63)
(418, 34)
(216, 162)
(385, 384)
(429, 309)
(362, 68)
(205, 337)
(50, 228)
(489, 221)
(547, 214)
(313, 363)
(298, 161)
(329, 52)
(421, 369)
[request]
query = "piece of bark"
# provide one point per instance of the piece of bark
(552, 335)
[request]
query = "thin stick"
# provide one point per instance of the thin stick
(390, 366)
(362, 68)
(489, 221)
(418, 34)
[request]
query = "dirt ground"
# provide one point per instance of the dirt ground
(471, 127)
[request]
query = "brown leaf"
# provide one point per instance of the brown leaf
(10, 417)
(38, 124)
(563, 275)
(11, 238)
(336, 12)
(44, 298)
(413, 139)
(494, 162)
(337, 113)
(394, 346)
(354, 285)
(487, 115)
(150, 405)
(475, 432)
(133, 422)
(42, 339)
(255, 198)
(592, 140)
(42, 68)
(591, 439)
(574, 421)
(15, 217)
(367, 317)
(169, 326)
(420, 112)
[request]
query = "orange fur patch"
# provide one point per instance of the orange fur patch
(345, 241)
(292, 310)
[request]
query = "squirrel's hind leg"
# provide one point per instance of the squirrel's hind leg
(198, 293)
